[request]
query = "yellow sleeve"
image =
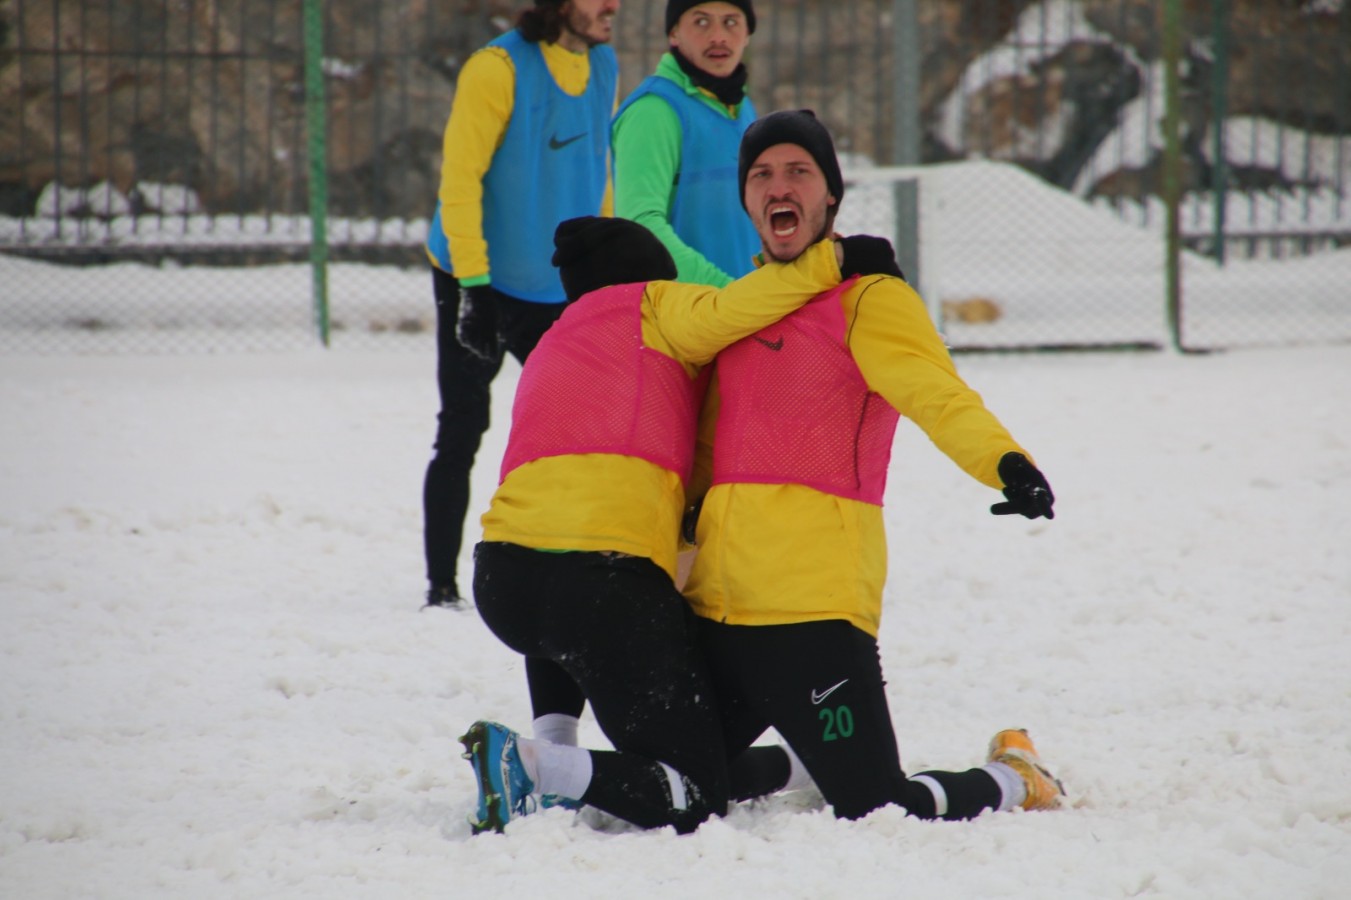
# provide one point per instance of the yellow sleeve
(479, 116)
(696, 321)
(903, 358)
(607, 202)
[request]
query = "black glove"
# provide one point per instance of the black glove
(1025, 487)
(868, 255)
(476, 329)
(689, 522)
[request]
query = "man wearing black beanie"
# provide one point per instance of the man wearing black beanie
(675, 142)
(788, 581)
(677, 8)
(578, 558)
(791, 137)
(792, 126)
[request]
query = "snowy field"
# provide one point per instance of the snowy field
(215, 680)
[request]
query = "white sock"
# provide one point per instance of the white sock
(798, 776)
(557, 728)
(678, 798)
(1012, 788)
(939, 794)
(556, 768)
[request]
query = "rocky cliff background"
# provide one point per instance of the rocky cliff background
(209, 94)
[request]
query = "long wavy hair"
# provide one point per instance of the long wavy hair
(541, 22)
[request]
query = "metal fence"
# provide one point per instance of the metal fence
(157, 163)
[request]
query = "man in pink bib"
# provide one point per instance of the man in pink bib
(787, 583)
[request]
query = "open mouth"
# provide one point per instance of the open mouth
(783, 220)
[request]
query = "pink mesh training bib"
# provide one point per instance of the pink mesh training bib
(590, 386)
(796, 410)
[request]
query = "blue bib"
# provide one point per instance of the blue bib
(551, 166)
(706, 210)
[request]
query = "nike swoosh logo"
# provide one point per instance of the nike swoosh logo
(556, 144)
(817, 698)
(776, 346)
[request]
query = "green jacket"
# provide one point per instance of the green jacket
(646, 142)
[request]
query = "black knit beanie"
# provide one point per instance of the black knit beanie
(593, 252)
(791, 126)
(677, 8)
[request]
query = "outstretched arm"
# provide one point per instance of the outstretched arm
(903, 358)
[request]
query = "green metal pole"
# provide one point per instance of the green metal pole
(316, 125)
(1172, 163)
(1219, 111)
(905, 138)
(905, 126)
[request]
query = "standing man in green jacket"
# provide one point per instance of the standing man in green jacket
(676, 138)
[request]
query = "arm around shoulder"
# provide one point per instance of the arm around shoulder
(903, 358)
(699, 321)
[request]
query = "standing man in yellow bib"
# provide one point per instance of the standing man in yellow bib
(526, 147)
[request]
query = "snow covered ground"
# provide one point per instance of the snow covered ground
(215, 680)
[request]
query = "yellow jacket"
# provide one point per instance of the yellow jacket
(773, 554)
(610, 502)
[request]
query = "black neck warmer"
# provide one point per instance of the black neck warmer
(731, 90)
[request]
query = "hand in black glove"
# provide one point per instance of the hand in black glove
(1025, 487)
(868, 255)
(689, 522)
(476, 329)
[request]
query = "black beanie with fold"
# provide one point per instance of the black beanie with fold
(593, 252)
(791, 126)
(677, 8)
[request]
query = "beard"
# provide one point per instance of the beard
(579, 25)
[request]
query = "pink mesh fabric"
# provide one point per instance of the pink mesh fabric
(590, 386)
(796, 410)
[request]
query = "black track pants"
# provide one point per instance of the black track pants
(820, 685)
(617, 625)
(464, 382)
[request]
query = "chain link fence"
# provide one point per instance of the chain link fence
(156, 185)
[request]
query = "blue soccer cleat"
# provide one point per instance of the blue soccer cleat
(504, 788)
(551, 801)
